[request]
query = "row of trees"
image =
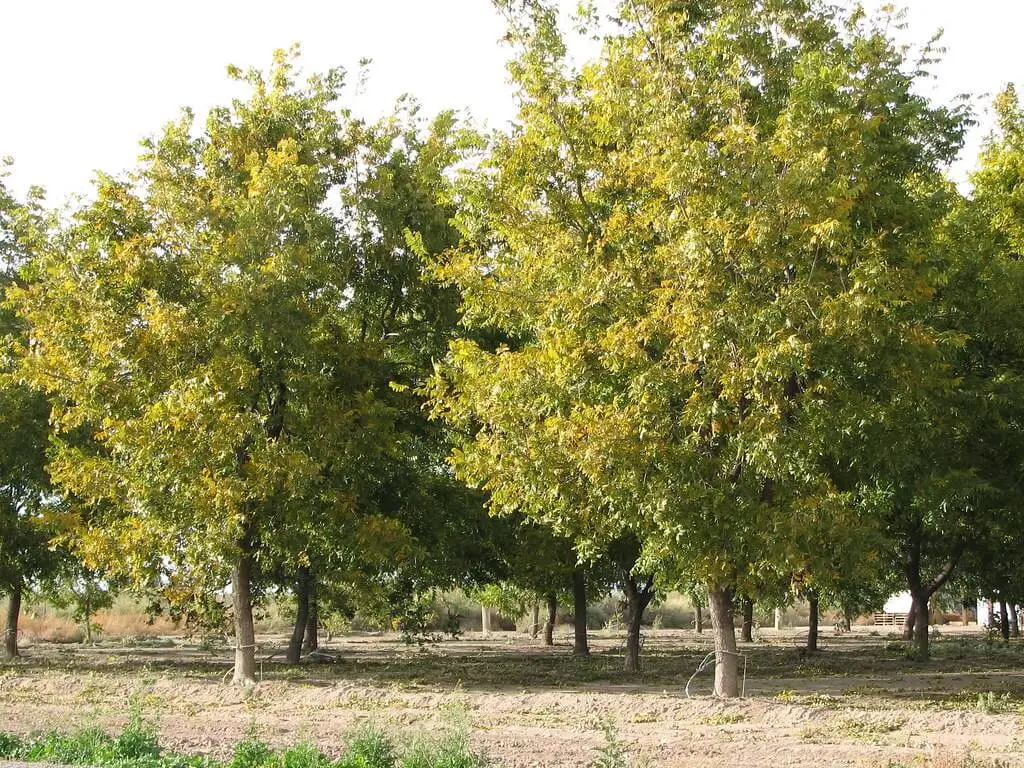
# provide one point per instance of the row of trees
(710, 317)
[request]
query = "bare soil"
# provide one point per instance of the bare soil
(859, 701)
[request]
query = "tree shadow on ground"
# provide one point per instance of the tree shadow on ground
(960, 667)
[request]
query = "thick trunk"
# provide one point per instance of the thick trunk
(747, 628)
(1004, 619)
(11, 625)
(311, 638)
(726, 679)
(549, 626)
(916, 626)
(638, 597)
(908, 625)
(919, 615)
(535, 629)
(301, 616)
(812, 622)
(634, 617)
(580, 645)
(241, 596)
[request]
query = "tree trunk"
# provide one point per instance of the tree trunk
(921, 591)
(965, 612)
(301, 616)
(698, 618)
(241, 596)
(87, 604)
(991, 612)
(919, 616)
(1004, 619)
(535, 629)
(726, 679)
(311, 638)
(747, 628)
(908, 625)
(638, 597)
(812, 622)
(11, 626)
(1014, 622)
(485, 620)
(549, 626)
(580, 645)
(778, 619)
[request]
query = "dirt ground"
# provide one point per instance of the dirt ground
(859, 701)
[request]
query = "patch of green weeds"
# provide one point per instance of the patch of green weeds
(995, 704)
(723, 718)
(137, 747)
(370, 748)
(868, 730)
(613, 753)
(822, 700)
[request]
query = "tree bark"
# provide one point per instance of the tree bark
(580, 645)
(1004, 619)
(638, 597)
(908, 624)
(1014, 622)
(698, 618)
(726, 679)
(919, 619)
(535, 629)
(87, 603)
(916, 626)
(301, 616)
(311, 638)
(241, 596)
(549, 625)
(813, 613)
(11, 625)
(778, 619)
(747, 627)
(485, 620)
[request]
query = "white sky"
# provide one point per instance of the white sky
(84, 80)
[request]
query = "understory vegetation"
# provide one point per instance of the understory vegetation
(137, 746)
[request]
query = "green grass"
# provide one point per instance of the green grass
(137, 747)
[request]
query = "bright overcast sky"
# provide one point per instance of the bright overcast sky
(85, 80)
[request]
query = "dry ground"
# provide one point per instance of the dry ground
(857, 702)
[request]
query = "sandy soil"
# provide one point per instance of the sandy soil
(858, 702)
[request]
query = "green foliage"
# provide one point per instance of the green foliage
(25, 488)
(370, 748)
(234, 333)
(137, 747)
(252, 752)
(450, 751)
(613, 753)
(84, 591)
(700, 283)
